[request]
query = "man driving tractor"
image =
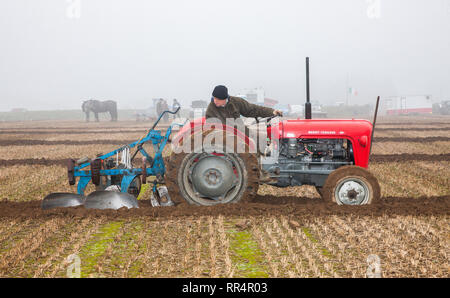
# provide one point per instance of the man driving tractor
(223, 106)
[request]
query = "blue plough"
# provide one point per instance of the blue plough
(117, 182)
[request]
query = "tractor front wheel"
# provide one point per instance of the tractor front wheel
(351, 185)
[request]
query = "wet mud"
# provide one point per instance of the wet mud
(257, 207)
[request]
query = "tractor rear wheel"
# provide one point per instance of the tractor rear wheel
(212, 176)
(351, 185)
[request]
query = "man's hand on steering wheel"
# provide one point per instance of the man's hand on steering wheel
(276, 113)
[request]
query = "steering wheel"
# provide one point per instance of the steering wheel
(265, 119)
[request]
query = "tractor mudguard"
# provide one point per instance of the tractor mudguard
(199, 125)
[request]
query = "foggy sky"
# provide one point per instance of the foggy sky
(132, 51)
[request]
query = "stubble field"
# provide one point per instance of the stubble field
(287, 232)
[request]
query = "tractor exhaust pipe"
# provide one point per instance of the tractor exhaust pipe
(373, 124)
(308, 114)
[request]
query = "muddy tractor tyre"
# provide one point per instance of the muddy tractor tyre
(212, 176)
(170, 177)
(351, 185)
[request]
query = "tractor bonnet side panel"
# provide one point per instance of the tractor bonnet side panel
(357, 131)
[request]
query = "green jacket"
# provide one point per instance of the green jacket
(236, 107)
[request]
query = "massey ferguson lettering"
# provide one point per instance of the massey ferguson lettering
(323, 132)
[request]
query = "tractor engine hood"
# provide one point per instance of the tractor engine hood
(358, 132)
(333, 128)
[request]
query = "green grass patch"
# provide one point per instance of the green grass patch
(246, 255)
(309, 234)
(96, 247)
(126, 249)
(145, 189)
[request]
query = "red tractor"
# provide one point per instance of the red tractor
(332, 155)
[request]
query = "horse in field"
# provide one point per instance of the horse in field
(97, 106)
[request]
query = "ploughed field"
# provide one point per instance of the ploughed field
(283, 232)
